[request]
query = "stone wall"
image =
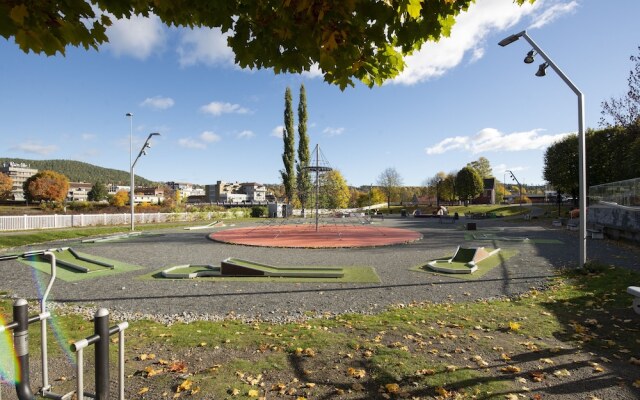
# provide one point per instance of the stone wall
(617, 222)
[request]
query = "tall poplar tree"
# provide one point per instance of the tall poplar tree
(289, 155)
(303, 178)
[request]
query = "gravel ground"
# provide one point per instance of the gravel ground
(184, 300)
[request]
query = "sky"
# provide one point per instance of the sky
(459, 99)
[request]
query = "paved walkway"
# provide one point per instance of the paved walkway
(550, 249)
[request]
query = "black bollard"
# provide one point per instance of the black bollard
(101, 329)
(21, 346)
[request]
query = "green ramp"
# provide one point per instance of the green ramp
(237, 267)
(74, 266)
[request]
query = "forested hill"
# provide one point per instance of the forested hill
(78, 171)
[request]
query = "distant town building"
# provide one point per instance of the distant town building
(236, 192)
(186, 189)
(113, 189)
(19, 173)
(79, 191)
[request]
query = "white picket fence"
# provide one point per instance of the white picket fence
(27, 222)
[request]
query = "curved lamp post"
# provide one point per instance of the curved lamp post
(582, 181)
(142, 153)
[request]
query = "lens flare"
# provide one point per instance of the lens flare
(9, 368)
(53, 323)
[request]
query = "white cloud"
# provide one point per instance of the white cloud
(314, 72)
(210, 137)
(190, 143)
(502, 168)
(88, 136)
(137, 37)
(468, 34)
(278, 131)
(329, 131)
(217, 108)
(201, 142)
(35, 148)
(158, 102)
(552, 13)
(206, 46)
(490, 139)
(245, 135)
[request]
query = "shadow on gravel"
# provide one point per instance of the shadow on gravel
(351, 289)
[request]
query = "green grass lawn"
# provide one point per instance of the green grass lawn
(416, 350)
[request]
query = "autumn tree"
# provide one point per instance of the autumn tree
(335, 192)
(389, 182)
(468, 184)
(6, 186)
(98, 192)
(303, 179)
(364, 40)
(47, 186)
(483, 166)
(289, 155)
(625, 111)
(120, 199)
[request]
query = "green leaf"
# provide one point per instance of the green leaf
(18, 14)
(413, 8)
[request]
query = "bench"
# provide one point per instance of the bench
(635, 291)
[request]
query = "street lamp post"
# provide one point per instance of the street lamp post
(582, 181)
(131, 191)
(142, 152)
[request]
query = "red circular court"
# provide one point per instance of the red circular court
(305, 236)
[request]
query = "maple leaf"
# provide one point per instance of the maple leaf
(178, 366)
(514, 326)
(356, 373)
(392, 387)
(253, 393)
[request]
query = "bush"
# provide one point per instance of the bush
(258, 211)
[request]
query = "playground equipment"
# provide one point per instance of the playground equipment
(235, 267)
(19, 328)
(463, 261)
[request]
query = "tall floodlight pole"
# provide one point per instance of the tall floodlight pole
(131, 191)
(582, 180)
(142, 153)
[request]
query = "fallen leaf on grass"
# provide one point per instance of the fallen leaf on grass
(537, 376)
(514, 326)
(356, 373)
(392, 388)
(143, 390)
(561, 373)
(426, 372)
(179, 367)
(510, 369)
(184, 386)
(253, 393)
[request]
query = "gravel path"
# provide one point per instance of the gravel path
(184, 300)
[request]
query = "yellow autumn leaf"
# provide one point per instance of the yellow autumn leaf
(514, 326)
(443, 392)
(510, 369)
(356, 373)
(143, 390)
(253, 393)
(185, 385)
(392, 387)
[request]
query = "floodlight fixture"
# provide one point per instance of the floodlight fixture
(541, 69)
(529, 58)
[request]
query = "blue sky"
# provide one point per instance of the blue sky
(460, 99)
